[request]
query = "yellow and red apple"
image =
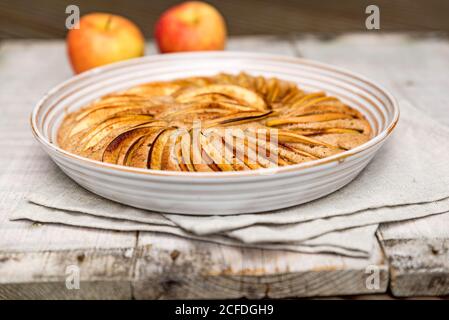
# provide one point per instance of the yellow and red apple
(101, 39)
(190, 26)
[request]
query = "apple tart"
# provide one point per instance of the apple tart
(218, 123)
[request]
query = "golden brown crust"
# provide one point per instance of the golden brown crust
(219, 123)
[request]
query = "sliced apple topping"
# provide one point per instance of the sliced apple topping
(96, 134)
(237, 93)
(238, 118)
(155, 155)
(117, 150)
(154, 89)
(219, 123)
(308, 119)
(137, 154)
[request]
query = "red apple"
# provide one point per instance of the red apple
(190, 26)
(103, 38)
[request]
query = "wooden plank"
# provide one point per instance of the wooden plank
(418, 254)
(37, 19)
(192, 270)
(170, 268)
(416, 71)
(103, 274)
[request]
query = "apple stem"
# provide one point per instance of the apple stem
(108, 22)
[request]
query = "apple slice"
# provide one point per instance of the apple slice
(301, 152)
(241, 152)
(214, 153)
(120, 101)
(240, 94)
(178, 154)
(117, 149)
(319, 100)
(93, 136)
(261, 86)
(313, 132)
(186, 142)
(115, 102)
(211, 97)
(307, 97)
(286, 137)
(294, 156)
(198, 109)
(104, 113)
(78, 141)
(226, 149)
(200, 160)
(270, 149)
(137, 153)
(154, 89)
(169, 160)
(360, 125)
(234, 107)
(157, 148)
(224, 78)
(250, 153)
(229, 104)
(294, 95)
(220, 153)
(316, 151)
(209, 161)
(244, 80)
(308, 119)
(344, 141)
(96, 151)
(238, 118)
(273, 90)
(332, 107)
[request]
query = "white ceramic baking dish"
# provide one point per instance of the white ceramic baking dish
(218, 193)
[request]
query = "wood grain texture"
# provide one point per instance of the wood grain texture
(196, 270)
(418, 255)
(104, 274)
(170, 268)
(34, 257)
(46, 19)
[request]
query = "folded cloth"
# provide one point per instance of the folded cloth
(335, 242)
(407, 179)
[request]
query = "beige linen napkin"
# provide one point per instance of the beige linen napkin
(408, 178)
(79, 207)
(335, 242)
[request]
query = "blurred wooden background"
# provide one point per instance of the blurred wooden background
(46, 18)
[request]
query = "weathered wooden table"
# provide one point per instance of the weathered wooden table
(412, 257)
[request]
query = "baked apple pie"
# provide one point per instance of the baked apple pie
(218, 123)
